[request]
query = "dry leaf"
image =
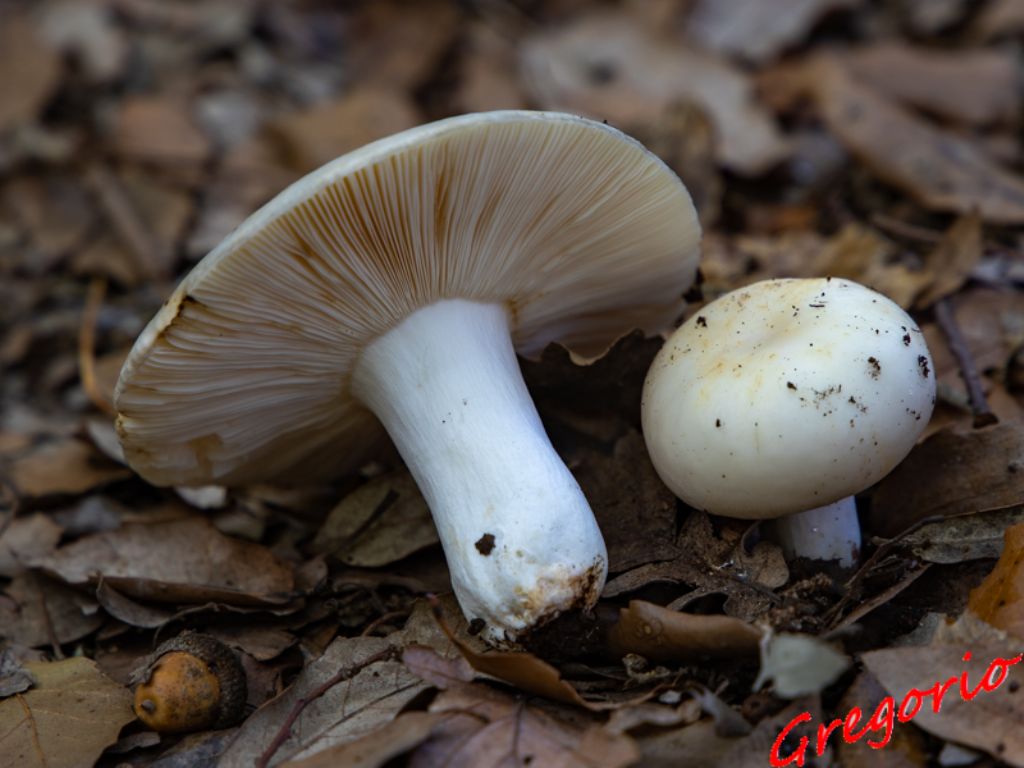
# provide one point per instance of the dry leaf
(30, 74)
(662, 635)
(506, 729)
(487, 72)
(65, 467)
(950, 474)
(991, 720)
(907, 748)
(379, 746)
(972, 86)
(998, 18)
(609, 67)
(88, 33)
(14, 678)
(25, 538)
(158, 129)
(757, 30)
(66, 721)
(41, 611)
(175, 561)
(379, 523)
(999, 599)
(318, 135)
(939, 169)
(372, 694)
(951, 262)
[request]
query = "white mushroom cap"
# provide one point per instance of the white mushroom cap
(785, 396)
(244, 374)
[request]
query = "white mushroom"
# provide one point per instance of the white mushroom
(397, 283)
(789, 396)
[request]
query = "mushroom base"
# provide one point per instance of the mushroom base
(831, 532)
(521, 541)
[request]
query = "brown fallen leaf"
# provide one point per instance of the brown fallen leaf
(939, 169)
(663, 635)
(379, 746)
(379, 523)
(54, 213)
(66, 721)
(951, 262)
(612, 68)
(158, 129)
(365, 690)
(977, 86)
(310, 138)
(64, 467)
(175, 561)
(39, 612)
(991, 719)
(31, 71)
(507, 731)
(950, 474)
(25, 538)
(757, 31)
(999, 599)
(487, 76)
(907, 748)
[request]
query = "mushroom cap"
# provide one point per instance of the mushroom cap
(785, 396)
(243, 375)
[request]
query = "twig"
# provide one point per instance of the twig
(87, 346)
(983, 415)
(285, 731)
(373, 625)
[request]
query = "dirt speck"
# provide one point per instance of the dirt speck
(485, 544)
(874, 367)
(922, 363)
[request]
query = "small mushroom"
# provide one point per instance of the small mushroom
(398, 283)
(192, 682)
(786, 398)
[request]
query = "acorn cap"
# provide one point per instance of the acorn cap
(244, 374)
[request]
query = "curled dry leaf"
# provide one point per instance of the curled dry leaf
(66, 721)
(999, 599)
(760, 30)
(175, 561)
(950, 474)
(951, 262)
(610, 67)
(663, 635)
(379, 523)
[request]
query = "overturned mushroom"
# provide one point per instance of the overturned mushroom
(398, 282)
(786, 398)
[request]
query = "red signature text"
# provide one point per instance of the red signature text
(881, 723)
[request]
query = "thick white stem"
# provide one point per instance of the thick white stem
(831, 532)
(521, 541)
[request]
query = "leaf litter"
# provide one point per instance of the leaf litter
(878, 142)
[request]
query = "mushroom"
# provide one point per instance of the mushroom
(397, 283)
(786, 398)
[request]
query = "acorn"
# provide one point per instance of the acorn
(192, 682)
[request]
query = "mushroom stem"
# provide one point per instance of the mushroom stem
(831, 532)
(521, 541)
